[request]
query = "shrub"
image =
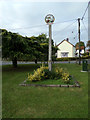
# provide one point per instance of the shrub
(85, 54)
(50, 74)
(63, 73)
(54, 75)
(72, 58)
(38, 74)
(47, 73)
(43, 73)
(66, 77)
(59, 71)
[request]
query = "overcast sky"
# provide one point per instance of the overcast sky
(28, 18)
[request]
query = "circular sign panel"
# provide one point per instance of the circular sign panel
(49, 19)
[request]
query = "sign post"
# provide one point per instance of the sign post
(49, 19)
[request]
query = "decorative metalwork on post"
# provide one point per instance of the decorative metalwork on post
(49, 19)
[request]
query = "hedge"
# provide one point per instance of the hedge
(72, 58)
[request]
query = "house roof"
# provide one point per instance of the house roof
(66, 41)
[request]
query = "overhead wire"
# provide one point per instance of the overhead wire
(65, 27)
(85, 11)
(84, 26)
(40, 25)
(29, 27)
(64, 21)
(36, 26)
(74, 37)
(76, 19)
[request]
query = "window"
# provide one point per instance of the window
(64, 54)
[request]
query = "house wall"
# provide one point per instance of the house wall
(66, 47)
(82, 52)
(74, 51)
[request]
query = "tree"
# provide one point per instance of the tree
(40, 47)
(16, 47)
(36, 48)
(13, 46)
(82, 45)
(44, 42)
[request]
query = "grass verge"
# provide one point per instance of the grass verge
(39, 102)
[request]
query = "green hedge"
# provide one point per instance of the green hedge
(72, 58)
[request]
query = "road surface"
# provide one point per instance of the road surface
(21, 62)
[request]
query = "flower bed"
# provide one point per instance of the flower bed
(43, 74)
(58, 77)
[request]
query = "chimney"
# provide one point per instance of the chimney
(67, 39)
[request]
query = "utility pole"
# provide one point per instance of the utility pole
(50, 49)
(79, 40)
(49, 19)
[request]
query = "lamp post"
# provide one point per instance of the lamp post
(49, 19)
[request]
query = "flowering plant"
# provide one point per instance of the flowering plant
(43, 73)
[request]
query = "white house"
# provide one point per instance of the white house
(82, 50)
(66, 49)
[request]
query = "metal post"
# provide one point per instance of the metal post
(50, 49)
(79, 39)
